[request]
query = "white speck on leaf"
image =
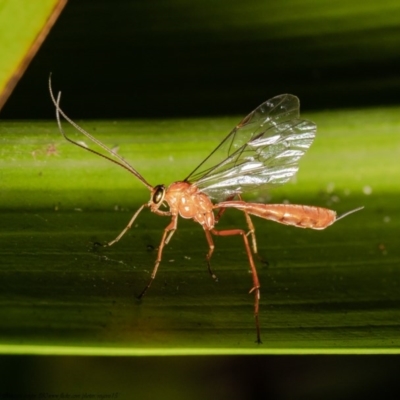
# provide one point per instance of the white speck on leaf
(367, 190)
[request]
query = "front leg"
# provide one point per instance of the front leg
(168, 232)
(129, 226)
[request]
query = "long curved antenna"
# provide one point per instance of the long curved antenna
(122, 162)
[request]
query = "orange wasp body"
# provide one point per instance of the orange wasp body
(263, 150)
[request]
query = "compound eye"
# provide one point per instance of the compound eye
(158, 195)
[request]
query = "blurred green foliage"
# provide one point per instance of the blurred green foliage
(171, 58)
(23, 26)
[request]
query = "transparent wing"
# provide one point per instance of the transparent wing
(262, 150)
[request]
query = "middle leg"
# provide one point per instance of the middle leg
(210, 252)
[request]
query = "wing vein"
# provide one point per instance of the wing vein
(263, 150)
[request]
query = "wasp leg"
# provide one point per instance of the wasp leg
(129, 226)
(168, 232)
(256, 283)
(210, 252)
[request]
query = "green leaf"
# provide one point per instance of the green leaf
(331, 291)
(24, 25)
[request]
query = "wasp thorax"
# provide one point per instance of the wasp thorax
(158, 195)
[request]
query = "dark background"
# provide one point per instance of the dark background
(181, 378)
(170, 58)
